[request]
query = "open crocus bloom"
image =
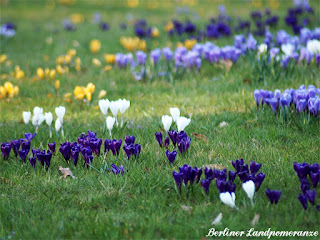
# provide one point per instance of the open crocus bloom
(166, 121)
(38, 117)
(26, 117)
(104, 106)
(175, 113)
(182, 122)
(110, 122)
(60, 112)
(228, 198)
(249, 188)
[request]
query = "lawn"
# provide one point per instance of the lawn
(144, 202)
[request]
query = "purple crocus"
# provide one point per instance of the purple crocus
(302, 169)
(274, 103)
(159, 138)
(44, 157)
(301, 105)
(315, 178)
(206, 185)
(232, 176)
(254, 167)
(256, 95)
(167, 53)
(104, 26)
(95, 145)
(155, 55)
(52, 147)
(141, 57)
(220, 175)
(225, 186)
(107, 145)
(23, 154)
(173, 136)
(33, 161)
(116, 170)
(5, 149)
(129, 139)
(171, 156)
(15, 146)
(184, 144)
(273, 195)
(87, 155)
(178, 178)
(259, 180)
(208, 172)
(65, 150)
(311, 195)
(74, 152)
(29, 136)
(166, 142)
(115, 147)
(303, 200)
(304, 184)
(25, 145)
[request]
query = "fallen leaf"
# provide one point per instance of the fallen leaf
(200, 136)
(226, 64)
(223, 124)
(255, 219)
(186, 208)
(66, 172)
(215, 166)
(217, 220)
(147, 170)
(246, 81)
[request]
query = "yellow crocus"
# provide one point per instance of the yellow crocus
(102, 94)
(133, 3)
(3, 92)
(3, 58)
(169, 26)
(155, 32)
(79, 92)
(72, 52)
(67, 59)
(107, 68)
(40, 73)
(88, 96)
(19, 74)
(59, 69)
(57, 85)
(95, 46)
(91, 87)
(96, 62)
(110, 58)
(77, 18)
(189, 43)
(52, 73)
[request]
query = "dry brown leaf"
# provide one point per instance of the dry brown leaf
(186, 208)
(215, 166)
(255, 219)
(226, 64)
(200, 136)
(147, 169)
(66, 172)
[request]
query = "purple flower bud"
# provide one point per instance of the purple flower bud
(5, 149)
(159, 138)
(116, 170)
(32, 161)
(166, 142)
(273, 195)
(141, 57)
(129, 139)
(206, 184)
(64, 149)
(311, 195)
(303, 200)
(29, 136)
(52, 147)
(171, 156)
(155, 55)
(23, 154)
(254, 167)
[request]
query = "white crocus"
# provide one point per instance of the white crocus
(57, 125)
(182, 122)
(175, 113)
(60, 112)
(249, 188)
(228, 199)
(26, 117)
(166, 121)
(114, 108)
(48, 116)
(262, 48)
(110, 122)
(104, 106)
(37, 117)
(123, 106)
(287, 49)
(313, 46)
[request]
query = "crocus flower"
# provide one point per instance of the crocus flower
(175, 113)
(110, 122)
(232, 176)
(38, 117)
(303, 200)
(311, 195)
(258, 180)
(254, 167)
(128, 149)
(104, 106)
(114, 108)
(178, 179)
(48, 117)
(171, 156)
(249, 188)
(256, 95)
(123, 106)
(184, 144)
(65, 150)
(155, 55)
(141, 57)
(228, 199)
(29, 136)
(5, 149)
(60, 112)
(182, 122)
(302, 169)
(129, 139)
(26, 117)
(274, 103)
(159, 138)
(52, 147)
(74, 152)
(167, 53)
(273, 195)
(44, 157)
(304, 185)
(15, 146)
(32, 161)
(25, 145)
(166, 121)
(173, 136)
(315, 178)
(206, 185)
(116, 170)
(23, 154)
(115, 146)
(166, 142)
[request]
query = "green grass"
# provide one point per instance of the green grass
(144, 202)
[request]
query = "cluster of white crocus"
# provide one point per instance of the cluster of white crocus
(60, 112)
(181, 122)
(120, 105)
(38, 117)
(313, 46)
(228, 199)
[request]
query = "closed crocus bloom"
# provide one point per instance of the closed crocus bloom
(182, 122)
(166, 121)
(155, 32)
(58, 125)
(60, 112)
(110, 58)
(249, 188)
(104, 106)
(262, 48)
(40, 73)
(256, 95)
(102, 94)
(96, 62)
(95, 46)
(313, 46)
(37, 111)
(175, 113)
(57, 85)
(124, 105)
(110, 122)
(228, 198)
(114, 108)
(141, 57)
(48, 116)
(91, 87)
(26, 117)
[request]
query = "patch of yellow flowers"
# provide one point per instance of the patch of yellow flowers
(133, 44)
(8, 90)
(95, 45)
(81, 92)
(46, 73)
(18, 73)
(188, 43)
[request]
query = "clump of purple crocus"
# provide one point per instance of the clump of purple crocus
(186, 175)
(183, 142)
(116, 170)
(273, 195)
(130, 148)
(113, 146)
